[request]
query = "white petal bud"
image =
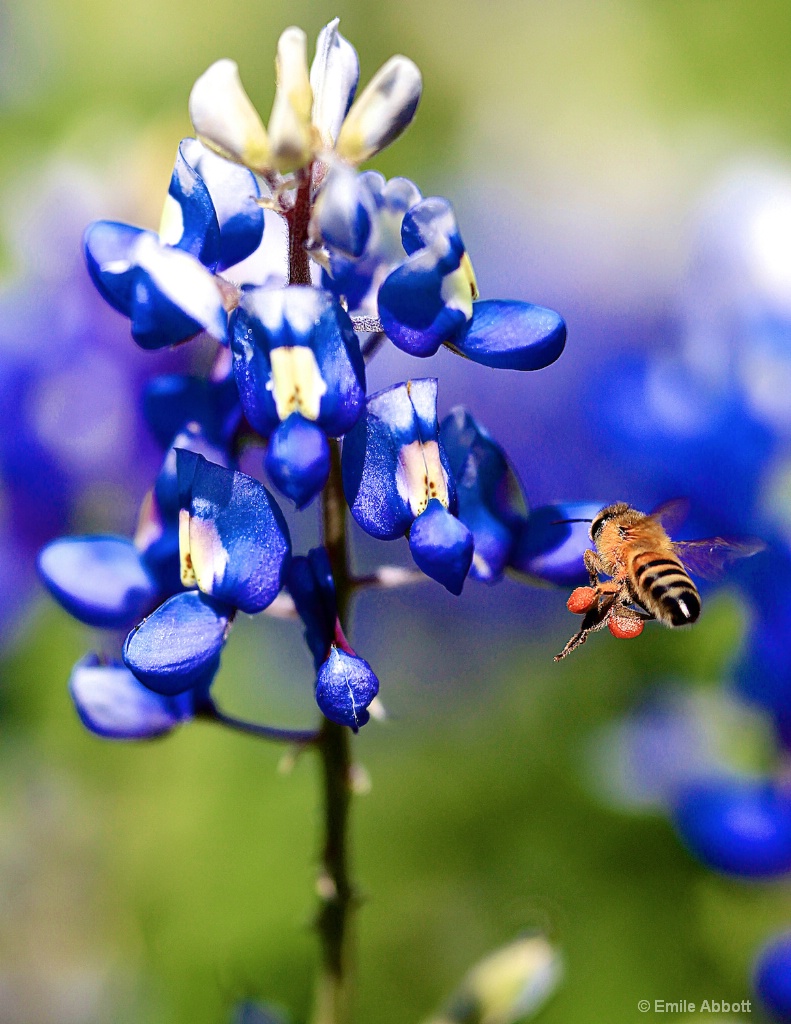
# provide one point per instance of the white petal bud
(382, 110)
(290, 128)
(333, 77)
(225, 120)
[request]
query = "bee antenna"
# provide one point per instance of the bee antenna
(562, 522)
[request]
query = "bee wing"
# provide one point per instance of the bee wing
(710, 558)
(671, 514)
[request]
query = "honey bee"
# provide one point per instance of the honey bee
(649, 573)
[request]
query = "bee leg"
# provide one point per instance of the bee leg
(576, 641)
(593, 565)
(594, 620)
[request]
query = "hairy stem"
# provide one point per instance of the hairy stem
(298, 219)
(335, 889)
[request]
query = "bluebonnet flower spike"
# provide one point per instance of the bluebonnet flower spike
(113, 704)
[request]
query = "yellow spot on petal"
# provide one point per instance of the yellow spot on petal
(458, 289)
(171, 227)
(469, 273)
(420, 476)
(185, 556)
(208, 556)
(296, 384)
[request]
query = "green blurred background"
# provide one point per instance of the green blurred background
(162, 883)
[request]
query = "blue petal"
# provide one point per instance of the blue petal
(358, 279)
(772, 978)
(112, 703)
(414, 314)
(428, 299)
(552, 550)
(168, 294)
(109, 254)
(101, 581)
(340, 212)
(298, 460)
(253, 372)
(189, 221)
(312, 588)
(511, 335)
(175, 297)
(166, 487)
(235, 535)
(177, 648)
(441, 546)
(345, 686)
(161, 555)
(320, 373)
(491, 501)
(233, 190)
(172, 400)
(740, 827)
(399, 419)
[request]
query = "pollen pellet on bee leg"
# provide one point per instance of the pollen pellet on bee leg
(625, 627)
(582, 600)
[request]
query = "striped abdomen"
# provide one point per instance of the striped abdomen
(664, 588)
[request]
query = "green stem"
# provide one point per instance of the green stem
(336, 892)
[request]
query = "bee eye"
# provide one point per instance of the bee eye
(622, 532)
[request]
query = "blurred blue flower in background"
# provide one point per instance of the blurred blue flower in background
(74, 448)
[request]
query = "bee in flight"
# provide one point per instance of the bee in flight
(649, 573)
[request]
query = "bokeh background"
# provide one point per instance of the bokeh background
(627, 162)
